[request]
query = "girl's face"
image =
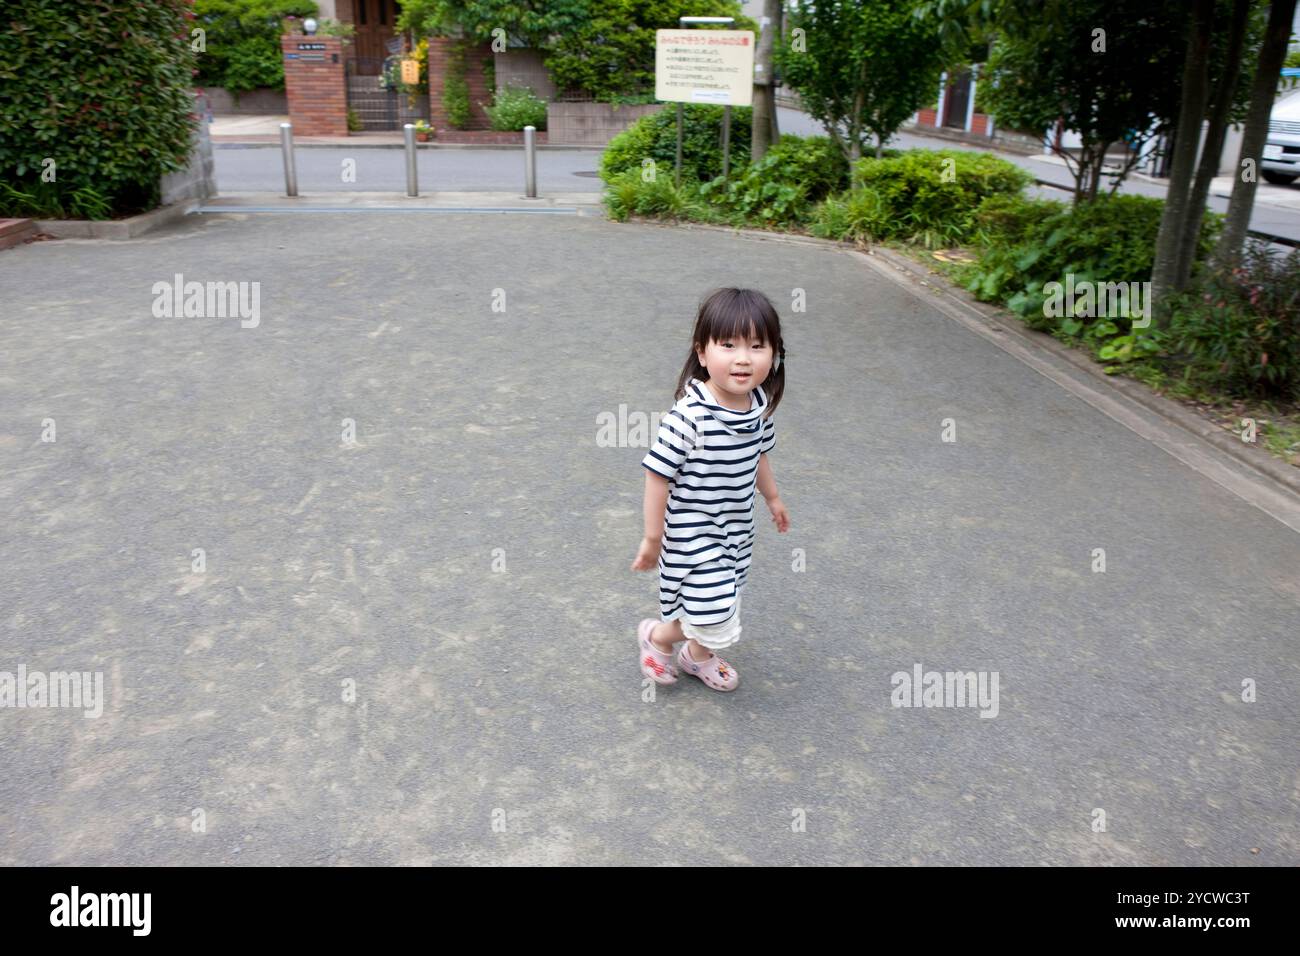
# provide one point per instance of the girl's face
(736, 366)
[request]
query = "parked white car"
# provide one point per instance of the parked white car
(1281, 163)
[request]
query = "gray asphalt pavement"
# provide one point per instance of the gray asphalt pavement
(463, 568)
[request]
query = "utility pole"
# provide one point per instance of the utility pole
(764, 119)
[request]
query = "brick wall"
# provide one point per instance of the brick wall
(475, 56)
(315, 88)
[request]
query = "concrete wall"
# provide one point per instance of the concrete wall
(198, 180)
(252, 103)
(523, 67)
(591, 124)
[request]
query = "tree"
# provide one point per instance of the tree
(532, 22)
(1105, 69)
(1263, 92)
(1196, 90)
(861, 68)
(1225, 96)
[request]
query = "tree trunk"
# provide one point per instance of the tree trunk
(1224, 94)
(760, 137)
(1096, 172)
(1262, 94)
(1174, 219)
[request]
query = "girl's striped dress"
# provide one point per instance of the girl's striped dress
(709, 454)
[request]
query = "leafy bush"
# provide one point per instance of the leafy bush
(455, 89)
(253, 63)
(1110, 239)
(104, 91)
(1006, 219)
(516, 108)
(1240, 329)
(654, 136)
(631, 193)
(922, 196)
(45, 201)
(779, 188)
(242, 41)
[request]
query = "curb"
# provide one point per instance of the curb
(120, 228)
(1280, 475)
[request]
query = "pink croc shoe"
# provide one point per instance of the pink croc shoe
(715, 672)
(655, 664)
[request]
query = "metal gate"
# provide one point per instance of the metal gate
(374, 98)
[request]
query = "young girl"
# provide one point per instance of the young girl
(710, 454)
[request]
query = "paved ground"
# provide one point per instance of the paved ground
(514, 692)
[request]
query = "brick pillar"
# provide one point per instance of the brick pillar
(475, 56)
(315, 84)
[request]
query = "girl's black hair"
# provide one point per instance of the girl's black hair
(736, 313)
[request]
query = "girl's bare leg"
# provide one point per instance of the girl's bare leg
(665, 636)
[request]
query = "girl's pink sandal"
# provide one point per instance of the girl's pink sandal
(715, 672)
(655, 664)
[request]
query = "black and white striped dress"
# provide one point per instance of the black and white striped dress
(709, 454)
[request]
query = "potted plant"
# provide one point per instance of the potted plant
(423, 131)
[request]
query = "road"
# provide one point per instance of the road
(243, 170)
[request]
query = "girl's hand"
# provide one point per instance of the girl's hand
(647, 556)
(779, 514)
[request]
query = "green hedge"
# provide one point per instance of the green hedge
(104, 90)
(654, 136)
(927, 197)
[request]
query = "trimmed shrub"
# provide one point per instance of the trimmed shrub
(102, 90)
(927, 197)
(654, 136)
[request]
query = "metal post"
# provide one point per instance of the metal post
(679, 146)
(726, 140)
(412, 177)
(286, 151)
(530, 163)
